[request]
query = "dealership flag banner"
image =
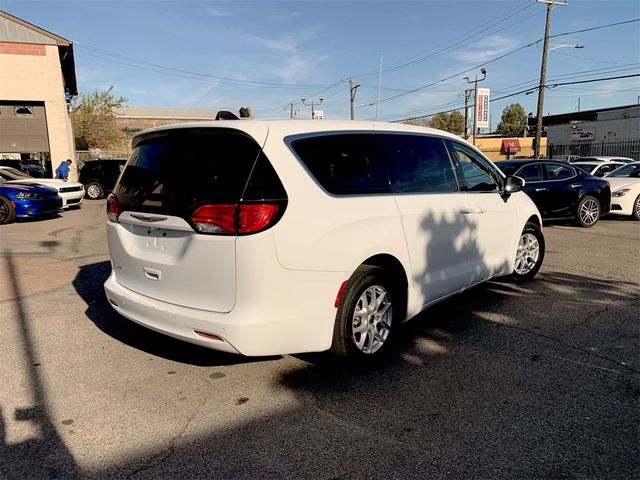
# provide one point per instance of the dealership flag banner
(482, 101)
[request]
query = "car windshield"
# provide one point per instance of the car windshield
(10, 173)
(631, 170)
(587, 167)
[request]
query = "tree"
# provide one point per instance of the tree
(450, 122)
(418, 121)
(94, 121)
(513, 120)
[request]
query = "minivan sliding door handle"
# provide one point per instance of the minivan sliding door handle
(471, 211)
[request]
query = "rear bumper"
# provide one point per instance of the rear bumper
(295, 319)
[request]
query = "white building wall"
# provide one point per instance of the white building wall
(32, 77)
(611, 126)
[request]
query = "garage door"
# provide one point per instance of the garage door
(23, 127)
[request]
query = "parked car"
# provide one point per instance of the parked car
(72, 193)
(33, 168)
(603, 158)
(561, 190)
(598, 169)
(306, 236)
(99, 176)
(24, 200)
(625, 188)
(13, 163)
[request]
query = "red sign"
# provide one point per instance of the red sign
(510, 145)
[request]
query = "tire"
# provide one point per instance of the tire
(530, 253)
(7, 211)
(94, 190)
(588, 211)
(636, 209)
(362, 330)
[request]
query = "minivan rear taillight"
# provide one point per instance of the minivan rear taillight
(113, 207)
(235, 219)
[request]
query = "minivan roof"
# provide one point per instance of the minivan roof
(288, 127)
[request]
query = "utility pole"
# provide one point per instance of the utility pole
(475, 100)
(467, 95)
(543, 73)
(292, 110)
(379, 83)
(353, 86)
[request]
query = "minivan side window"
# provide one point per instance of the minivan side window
(344, 164)
(477, 174)
(418, 164)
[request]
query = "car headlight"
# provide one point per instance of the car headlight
(28, 196)
(621, 193)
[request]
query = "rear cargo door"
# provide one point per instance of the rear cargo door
(155, 249)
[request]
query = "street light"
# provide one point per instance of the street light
(475, 81)
(304, 100)
(577, 45)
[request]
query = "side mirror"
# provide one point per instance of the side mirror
(513, 184)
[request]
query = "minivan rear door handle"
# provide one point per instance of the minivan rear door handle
(470, 211)
(541, 189)
(148, 218)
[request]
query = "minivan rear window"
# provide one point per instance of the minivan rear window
(173, 171)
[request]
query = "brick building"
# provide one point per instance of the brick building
(134, 119)
(37, 80)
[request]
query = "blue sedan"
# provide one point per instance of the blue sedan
(27, 200)
(561, 190)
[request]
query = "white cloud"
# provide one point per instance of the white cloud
(486, 49)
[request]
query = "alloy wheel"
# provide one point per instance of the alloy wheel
(93, 191)
(4, 211)
(589, 212)
(528, 253)
(372, 318)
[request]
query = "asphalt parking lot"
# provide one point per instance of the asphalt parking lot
(504, 381)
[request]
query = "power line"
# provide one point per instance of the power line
(492, 23)
(589, 59)
(139, 64)
(521, 92)
(531, 86)
(500, 57)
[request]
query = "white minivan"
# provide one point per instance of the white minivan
(273, 237)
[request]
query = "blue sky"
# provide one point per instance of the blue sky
(267, 54)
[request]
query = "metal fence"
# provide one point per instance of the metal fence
(625, 148)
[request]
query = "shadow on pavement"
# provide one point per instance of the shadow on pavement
(45, 456)
(89, 285)
(459, 396)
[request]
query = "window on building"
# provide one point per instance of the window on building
(23, 110)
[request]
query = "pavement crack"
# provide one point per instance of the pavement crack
(165, 454)
(574, 347)
(592, 316)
